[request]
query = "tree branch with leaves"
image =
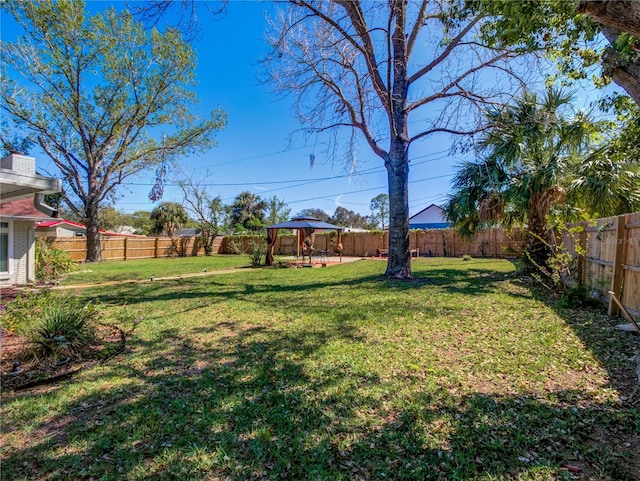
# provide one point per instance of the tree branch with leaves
(94, 93)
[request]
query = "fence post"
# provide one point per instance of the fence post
(581, 251)
(453, 243)
(618, 264)
(155, 249)
(126, 247)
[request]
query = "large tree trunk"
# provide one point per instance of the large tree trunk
(93, 235)
(399, 263)
(619, 14)
(625, 72)
(397, 162)
(615, 17)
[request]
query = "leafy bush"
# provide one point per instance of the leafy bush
(257, 250)
(55, 326)
(24, 311)
(577, 296)
(65, 328)
(51, 263)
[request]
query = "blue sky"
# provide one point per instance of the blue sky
(259, 150)
(260, 143)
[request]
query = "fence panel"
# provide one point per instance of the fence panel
(75, 246)
(112, 248)
(631, 264)
(599, 256)
(611, 260)
(141, 248)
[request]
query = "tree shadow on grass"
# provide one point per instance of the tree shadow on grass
(260, 402)
(614, 349)
(187, 412)
(325, 296)
(248, 408)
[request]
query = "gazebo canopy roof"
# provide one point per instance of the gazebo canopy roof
(305, 223)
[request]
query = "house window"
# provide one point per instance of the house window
(4, 247)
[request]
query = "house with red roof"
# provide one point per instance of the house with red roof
(68, 228)
(21, 205)
(60, 228)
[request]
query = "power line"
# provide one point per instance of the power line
(372, 170)
(367, 190)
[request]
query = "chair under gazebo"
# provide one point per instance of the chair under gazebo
(306, 228)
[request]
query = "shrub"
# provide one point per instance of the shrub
(577, 296)
(51, 263)
(24, 311)
(257, 250)
(54, 326)
(64, 328)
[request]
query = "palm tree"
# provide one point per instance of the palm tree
(168, 217)
(603, 186)
(539, 158)
(248, 211)
(528, 150)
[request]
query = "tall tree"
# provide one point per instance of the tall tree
(380, 210)
(370, 67)
(96, 94)
(141, 221)
(277, 211)
(181, 14)
(623, 15)
(248, 212)
(349, 218)
(620, 24)
(167, 218)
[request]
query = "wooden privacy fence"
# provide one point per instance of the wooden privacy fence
(436, 243)
(611, 248)
(126, 248)
(611, 260)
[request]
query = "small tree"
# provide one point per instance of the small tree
(533, 150)
(96, 94)
(168, 217)
(380, 210)
(277, 211)
(211, 213)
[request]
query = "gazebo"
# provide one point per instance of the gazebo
(306, 227)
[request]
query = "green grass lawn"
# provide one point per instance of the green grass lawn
(339, 374)
(139, 269)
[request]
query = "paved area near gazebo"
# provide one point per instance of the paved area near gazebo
(316, 261)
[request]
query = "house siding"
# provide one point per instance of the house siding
(23, 254)
(433, 217)
(22, 266)
(58, 232)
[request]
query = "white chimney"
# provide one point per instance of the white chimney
(19, 163)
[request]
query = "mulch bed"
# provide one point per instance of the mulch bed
(20, 370)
